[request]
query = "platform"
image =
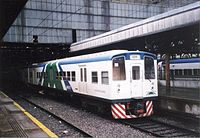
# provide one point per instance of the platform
(180, 93)
(16, 122)
(181, 100)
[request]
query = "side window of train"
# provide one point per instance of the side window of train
(38, 74)
(68, 75)
(73, 76)
(104, 77)
(119, 69)
(135, 72)
(187, 72)
(64, 75)
(178, 72)
(196, 72)
(94, 77)
(57, 75)
(30, 74)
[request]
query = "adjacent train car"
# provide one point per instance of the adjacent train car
(124, 80)
(184, 73)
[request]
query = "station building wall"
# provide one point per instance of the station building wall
(55, 21)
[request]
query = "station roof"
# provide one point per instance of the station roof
(174, 19)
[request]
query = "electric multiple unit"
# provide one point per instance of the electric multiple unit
(124, 80)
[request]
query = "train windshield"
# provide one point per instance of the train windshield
(119, 69)
(149, 68)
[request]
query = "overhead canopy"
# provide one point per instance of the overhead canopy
(172, 20)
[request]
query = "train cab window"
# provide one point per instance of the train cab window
(104, 77)
(68, 75)
(73, 76)
(119, 69)
(135, 72)
(149, 68)
(94, 77)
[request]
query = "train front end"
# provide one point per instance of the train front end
(135, 83)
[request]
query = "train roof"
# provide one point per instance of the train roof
(101, 56)
(189, 60)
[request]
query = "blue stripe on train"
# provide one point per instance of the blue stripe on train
(67, 85)
(189, 60)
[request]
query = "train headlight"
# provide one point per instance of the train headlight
(118, 88)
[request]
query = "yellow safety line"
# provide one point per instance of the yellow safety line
(38, 123)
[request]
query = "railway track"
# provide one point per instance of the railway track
(148, 125)
(160, 129)
(82, 132)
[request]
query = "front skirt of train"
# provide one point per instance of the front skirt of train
(132, 109)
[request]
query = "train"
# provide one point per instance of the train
(125, 81)
(184, 73)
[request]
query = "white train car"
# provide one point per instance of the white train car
(184, 73)
(125, 80)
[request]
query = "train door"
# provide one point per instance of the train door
(136, 81)
(30, 76)
(83, 80)
(34, 77)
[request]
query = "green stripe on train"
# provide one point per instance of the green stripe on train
(50, 79)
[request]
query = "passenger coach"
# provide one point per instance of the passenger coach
(184, 73)
(124, 80)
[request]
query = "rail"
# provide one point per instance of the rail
(85, 134)
(159, 129)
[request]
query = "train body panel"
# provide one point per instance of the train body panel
(124, 78)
